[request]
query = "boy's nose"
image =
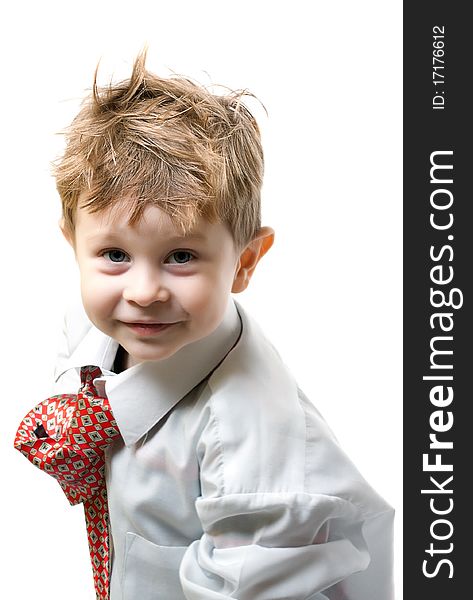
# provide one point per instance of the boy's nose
(144, 288)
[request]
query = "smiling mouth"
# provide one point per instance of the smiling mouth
(145, 329)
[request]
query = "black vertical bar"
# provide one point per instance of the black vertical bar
(438, 251)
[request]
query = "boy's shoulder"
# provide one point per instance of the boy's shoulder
(263, 420)
(80, 344)
(253, 375)
(76, 325)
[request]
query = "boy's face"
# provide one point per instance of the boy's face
(152, 289)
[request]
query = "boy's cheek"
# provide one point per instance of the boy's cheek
(92, 280)
(203, 297)
(98, 298)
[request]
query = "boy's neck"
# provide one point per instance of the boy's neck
(121, 360)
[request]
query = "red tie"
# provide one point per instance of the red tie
(66, 436)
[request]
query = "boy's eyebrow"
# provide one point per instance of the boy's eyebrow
(115, 235)
(190, 236)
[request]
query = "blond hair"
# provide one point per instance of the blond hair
(168, 142)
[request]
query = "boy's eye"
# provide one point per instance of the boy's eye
(180, 257)
(116, 256)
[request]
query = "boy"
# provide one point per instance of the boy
(204, 470)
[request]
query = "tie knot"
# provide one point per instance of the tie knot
(93, 424)
(87, 376)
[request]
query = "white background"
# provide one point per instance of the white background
(329, 292)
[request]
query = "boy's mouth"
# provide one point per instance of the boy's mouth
(145, 328)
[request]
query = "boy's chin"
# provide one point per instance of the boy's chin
(132, 356)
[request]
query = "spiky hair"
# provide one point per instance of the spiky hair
(167, 142)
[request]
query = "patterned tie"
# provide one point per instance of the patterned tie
(66, 436)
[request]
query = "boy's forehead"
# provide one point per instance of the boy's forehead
(118, 217)
(153, 221)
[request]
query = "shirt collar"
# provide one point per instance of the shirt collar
(95, 348)
(142, 395)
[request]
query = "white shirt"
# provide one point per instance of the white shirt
(227, 482)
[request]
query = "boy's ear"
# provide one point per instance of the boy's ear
(66, 232)
(250, 257)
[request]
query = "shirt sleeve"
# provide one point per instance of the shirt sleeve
(270, 546)
(281, 545)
